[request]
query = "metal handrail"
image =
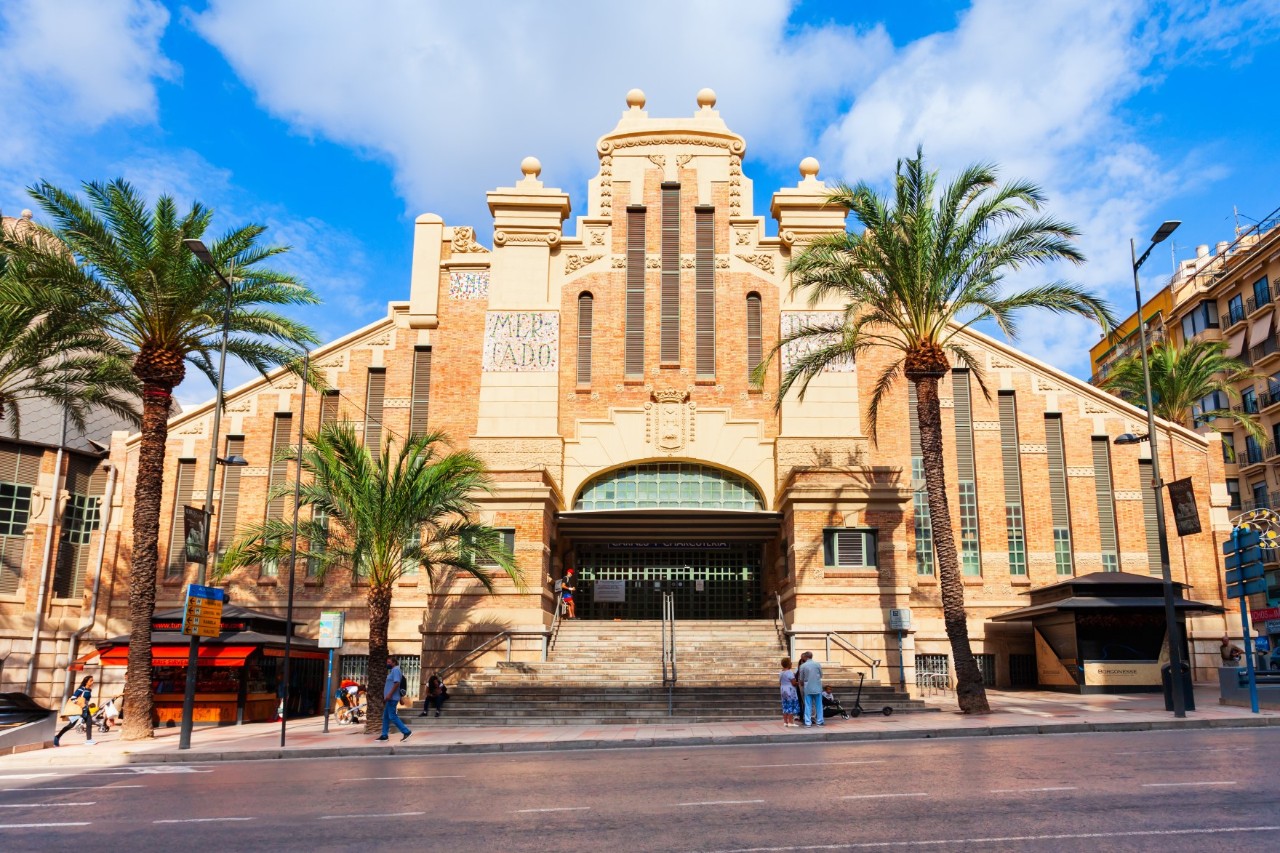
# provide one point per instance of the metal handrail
(550, 641)
(488, 644)
(780, 624)
(933, 681)
(828, 636)
(669, 648)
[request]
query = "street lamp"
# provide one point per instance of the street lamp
(193, 656)
(1170, 617)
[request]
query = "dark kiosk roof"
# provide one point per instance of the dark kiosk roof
(1104, 591)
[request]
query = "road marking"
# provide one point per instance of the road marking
(1182, 784)
(40, 805)
(42, 825)
(31, 775)
(398, 778)
(561, 809)
(351, 816)
(74, 788)
(939, 842)
(722, 803)
(1031, 790)
(813, 764)
(881, 796)
(202, 820)
(168, 769)
(1184, 751)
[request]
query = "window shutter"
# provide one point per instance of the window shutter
(373, 400)
(705, 296)
(913, 415)
(670, 305)
(1149, 518)
(964, 424)
(1057, 471)
(229, 506)
(421, 391)
(585, 307)
(186, 481)
(850, 548)
(1106, 497)
(280, 441)
(634, 332)
(755, 348)
(1008, 448)
(329, 407)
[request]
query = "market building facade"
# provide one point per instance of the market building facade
(604, 373)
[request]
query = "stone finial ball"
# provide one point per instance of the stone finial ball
(707, 98)
(26, 213)
(809, 167)
(635, 99)
(531, 166)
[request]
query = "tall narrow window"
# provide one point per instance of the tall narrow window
(920, 497)
(329, 407)
(586, 307)
(281, 439)
(970, 557)
(19, 470)
(229, 506)
(1012, 464)
(85, 481)
(1106, 503)
(421, 400)
(670, 305)
(1149, 518)
(183, 489)
(633, 359)
(705, 292)
(317, 546)
(755, 345)
(1058, 503)
(373, 399)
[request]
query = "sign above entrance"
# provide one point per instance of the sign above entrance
(632, 546)
(609, 591)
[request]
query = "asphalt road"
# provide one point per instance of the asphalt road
(1212, 790)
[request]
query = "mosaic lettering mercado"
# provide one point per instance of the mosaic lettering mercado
(521, 341)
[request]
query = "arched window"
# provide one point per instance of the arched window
(584, 338)
(755, 351)
(669, 485)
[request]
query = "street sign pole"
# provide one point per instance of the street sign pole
(1245, 576)
(1248, 655)
(328, 691)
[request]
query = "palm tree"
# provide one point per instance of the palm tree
(926, 268)
(381, 518)
(58, 356)
(125, 265)
(1181, 377)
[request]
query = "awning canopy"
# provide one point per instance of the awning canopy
(1077, 603)
(178, 655)
(1259, 329)
(1235, 345)
(675, 526)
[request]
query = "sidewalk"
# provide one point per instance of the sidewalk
(1013, 713)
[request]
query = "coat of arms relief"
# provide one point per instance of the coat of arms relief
(670, 420)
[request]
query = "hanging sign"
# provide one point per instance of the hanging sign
(194, 523)
(1185, 515)
(332, 623)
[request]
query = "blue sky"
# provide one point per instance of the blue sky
(337, 123)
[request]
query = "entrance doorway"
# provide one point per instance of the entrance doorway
(708, 580)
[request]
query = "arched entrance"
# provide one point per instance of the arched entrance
(696, 531)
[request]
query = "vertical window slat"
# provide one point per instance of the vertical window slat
(1106, 503)
(329, 407)
(1149, 518)
(1012, 466)
(184, 488)
(970, 556)
(1060, 507)
(920, 498)
(585, 310)
(633, 359)
(755, 347)
(229, 506)
(669, 308)
(420, 402)
(705, 295)
(373, 401)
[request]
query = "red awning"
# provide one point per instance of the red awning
(178, 655)
(84, 660)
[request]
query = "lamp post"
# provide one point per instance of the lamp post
(293, 557)
(193, 656)
(1157, 485)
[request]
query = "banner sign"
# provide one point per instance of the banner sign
(332, 623)
(202, 615)
(194, 523)
(1185, 515)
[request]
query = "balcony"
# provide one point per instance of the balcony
(1264, 503)
(1269, 398)
(1251, 457)
(1235, 315)
(1264, 352)
(1260, 299)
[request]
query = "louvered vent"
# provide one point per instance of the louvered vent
(585, 309)
(634, 331)
(964, 424)
(329, 407)
(421, 402)
(1149, 518)
(230, 505)
(850, 548)
(1009, 458)
(705, 294)
(185, 486)
(1057, 471)
(670, 307)
(373, 400)
(755, 347)
(1106, 498)
(281, 439)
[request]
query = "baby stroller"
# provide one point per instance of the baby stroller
(100, 717)
(831, 706)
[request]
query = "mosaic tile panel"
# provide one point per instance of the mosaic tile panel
(794, 321)
(521, 341)
(469, 285)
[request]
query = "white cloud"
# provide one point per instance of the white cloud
(454, 96)
(67, 69)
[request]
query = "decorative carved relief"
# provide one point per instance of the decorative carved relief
(946, 403)
(735, 184)
(1128, 495)
(396, 403)
(722, 263)
(764, 262)
(1079, 472)
(743, 237)
(255, 471)
(986, 426)
(521, 341)
(999, 363)
(619, 262)
(573, 263)
(669, 420)
(194, 428)
(241, 406)
(1093, 407)
(686, 263)
(502, 238)
(652, 262)
(682, 160)
(597, 238)
(1033, 448)
(469, 285)
(464, 240)
(794, 322)
(606, 185)
(735, 146)
(658, 160)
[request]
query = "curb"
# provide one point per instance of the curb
(1015, 730)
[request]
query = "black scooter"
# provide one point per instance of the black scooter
(857, 709)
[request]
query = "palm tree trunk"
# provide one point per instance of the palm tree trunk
(970, 692)
(138, 702)
(379, 600)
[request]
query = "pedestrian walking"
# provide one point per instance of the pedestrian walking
(79, 701)
(567, 589)
(790, 698)
(390, 699)
(810, 676)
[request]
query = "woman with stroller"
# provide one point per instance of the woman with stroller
(82, 696)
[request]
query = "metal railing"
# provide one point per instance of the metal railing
(780, 624)
(490, 644)
(933, 682)
(669, 647)
(828, 637)
(1264, 349)
(554, 631)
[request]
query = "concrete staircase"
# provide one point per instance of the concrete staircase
(601, 672)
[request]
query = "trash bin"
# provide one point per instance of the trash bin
(1188, 693)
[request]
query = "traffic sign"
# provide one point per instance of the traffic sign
(1241, 539)
(1249, 572)
(1249, 587)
